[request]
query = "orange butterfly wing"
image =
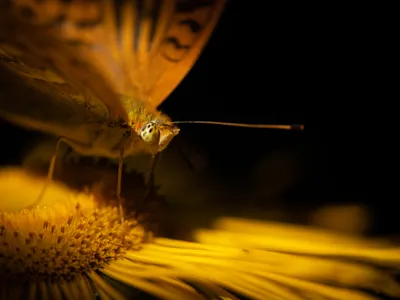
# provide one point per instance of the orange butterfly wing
(109, 63)
(37, 49)
(141, 49)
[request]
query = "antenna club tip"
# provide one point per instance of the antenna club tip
(298, 127)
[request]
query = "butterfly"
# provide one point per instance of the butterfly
(101, 68)
(105, 65)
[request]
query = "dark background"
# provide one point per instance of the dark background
(319, 66)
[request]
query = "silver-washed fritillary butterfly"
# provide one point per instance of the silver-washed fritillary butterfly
(105, 66)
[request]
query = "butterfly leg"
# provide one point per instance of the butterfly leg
(53, 159)
(119, 178)
(50, 173)
(119, 182)
(149, 181)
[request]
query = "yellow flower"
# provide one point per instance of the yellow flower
(71, 246)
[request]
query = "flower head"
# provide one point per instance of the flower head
(73, 246)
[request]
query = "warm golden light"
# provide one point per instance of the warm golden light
(66, 246)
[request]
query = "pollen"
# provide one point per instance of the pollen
(66, 235)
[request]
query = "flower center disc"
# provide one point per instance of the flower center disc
(66, 234)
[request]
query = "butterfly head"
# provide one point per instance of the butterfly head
(158, 133)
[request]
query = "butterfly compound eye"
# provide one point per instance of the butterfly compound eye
(150, 133)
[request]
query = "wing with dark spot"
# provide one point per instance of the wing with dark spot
(140, 49)
(165, 41)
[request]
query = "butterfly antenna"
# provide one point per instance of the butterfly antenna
(284, 127)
